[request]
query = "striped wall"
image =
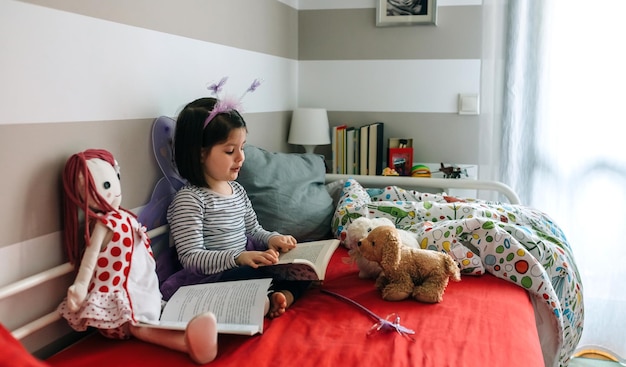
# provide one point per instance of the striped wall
(407, 77)
(77, 74)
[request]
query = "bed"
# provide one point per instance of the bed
(519, 302)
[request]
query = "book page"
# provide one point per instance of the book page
(238, 305)
(317, 252)
(308, 261)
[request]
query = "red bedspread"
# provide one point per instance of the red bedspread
(481, 321)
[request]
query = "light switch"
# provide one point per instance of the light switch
(468, 104)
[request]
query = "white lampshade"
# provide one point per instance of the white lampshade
(309, 127)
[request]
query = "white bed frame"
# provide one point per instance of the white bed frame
(419, 184)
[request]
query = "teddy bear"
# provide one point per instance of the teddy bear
(420, 274)
(359, 229)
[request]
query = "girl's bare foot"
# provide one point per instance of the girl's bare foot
(201, 338)
(279, 302)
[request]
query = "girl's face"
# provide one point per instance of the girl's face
(223, 161)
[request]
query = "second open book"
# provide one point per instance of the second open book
(239, 305)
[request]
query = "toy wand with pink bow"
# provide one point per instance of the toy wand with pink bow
(390, 323)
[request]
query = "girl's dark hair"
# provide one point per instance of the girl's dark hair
(190, 136)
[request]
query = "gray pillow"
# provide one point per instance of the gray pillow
(288, 193)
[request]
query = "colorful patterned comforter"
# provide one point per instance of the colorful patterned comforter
(513, 242)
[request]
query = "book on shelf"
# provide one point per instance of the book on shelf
(363, 149)
(342, 149)
(337, 147)
(239, 306)
(357, 151)
(350, 150)
(375, 149)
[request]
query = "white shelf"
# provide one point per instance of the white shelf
(468, 172)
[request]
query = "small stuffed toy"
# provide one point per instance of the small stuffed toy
(420, 274)
(116, 286)
(359, 229)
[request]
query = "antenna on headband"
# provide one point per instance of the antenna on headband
(227, 104)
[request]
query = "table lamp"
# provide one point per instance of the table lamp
(309, 127)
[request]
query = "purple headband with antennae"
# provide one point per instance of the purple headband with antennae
(227, 104)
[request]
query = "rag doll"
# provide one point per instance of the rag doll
(116, 288)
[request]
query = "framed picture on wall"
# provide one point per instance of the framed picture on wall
(405, 12)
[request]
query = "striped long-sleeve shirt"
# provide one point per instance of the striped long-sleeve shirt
(210, 230)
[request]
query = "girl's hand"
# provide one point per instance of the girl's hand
(282, 243)
(255, 259)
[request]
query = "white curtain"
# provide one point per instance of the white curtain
(563, 142)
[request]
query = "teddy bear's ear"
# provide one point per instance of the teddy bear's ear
(391, 250)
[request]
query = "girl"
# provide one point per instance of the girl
(116, 286)
(211, 219)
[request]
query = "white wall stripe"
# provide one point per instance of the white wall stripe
(30, 257)
(387, 85)
(60, 66)
(84, 69)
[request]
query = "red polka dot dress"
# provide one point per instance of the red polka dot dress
(124, 287)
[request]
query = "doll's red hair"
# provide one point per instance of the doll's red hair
(78, 186)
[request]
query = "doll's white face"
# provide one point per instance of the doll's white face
(106, 181)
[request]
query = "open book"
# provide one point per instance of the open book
(239, 306)
(308, 261)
